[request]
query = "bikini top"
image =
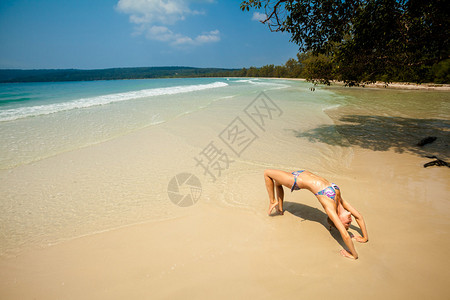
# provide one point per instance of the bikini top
(329, 191)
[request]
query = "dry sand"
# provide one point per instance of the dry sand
(409, 86)
(393, 85)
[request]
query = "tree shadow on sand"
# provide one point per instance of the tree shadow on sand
(313, 214)
(381, 133)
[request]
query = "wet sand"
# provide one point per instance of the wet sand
(217, 250)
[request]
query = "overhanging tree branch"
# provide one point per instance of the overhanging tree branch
(273, 14)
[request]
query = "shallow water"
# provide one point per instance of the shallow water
(398, 120)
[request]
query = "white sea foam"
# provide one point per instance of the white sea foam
(244, 81)
(256, 81)
(331, 107)
(31, 111)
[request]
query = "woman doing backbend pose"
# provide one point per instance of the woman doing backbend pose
(329, 195)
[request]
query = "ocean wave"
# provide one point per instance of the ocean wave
(31, 111)
(256, 81)
(331, 107)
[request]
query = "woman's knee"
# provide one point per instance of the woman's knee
(278, 177)
(268, 173)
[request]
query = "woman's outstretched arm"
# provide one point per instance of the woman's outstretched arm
(331, 212)
(359, 219)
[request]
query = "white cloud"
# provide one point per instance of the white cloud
(212, 36)
(182, 40)
(259, 16)
(154, 11)
(164, 34)
(152, 18)
(160, 33)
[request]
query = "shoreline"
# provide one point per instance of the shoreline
(378, 84)
(383, 85)
(403, 86)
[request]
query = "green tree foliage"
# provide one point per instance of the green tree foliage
(366, 40)
(315, 68)
(318, 69)
(293, 68)
(441, 71)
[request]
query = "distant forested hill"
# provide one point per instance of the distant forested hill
(110, 74)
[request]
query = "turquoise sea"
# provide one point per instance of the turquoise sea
(38, 120)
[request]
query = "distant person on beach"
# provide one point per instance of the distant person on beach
(329, 195)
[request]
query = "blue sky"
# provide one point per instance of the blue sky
(90, 34)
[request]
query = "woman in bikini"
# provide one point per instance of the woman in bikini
(329, 195)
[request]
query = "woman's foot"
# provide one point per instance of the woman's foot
(272, 206)
(281, 212)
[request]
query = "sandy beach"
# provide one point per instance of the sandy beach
(409, 86)
(392, 85)
(222, 247)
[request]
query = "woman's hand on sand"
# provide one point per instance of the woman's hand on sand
(360, 239)
(347, 254)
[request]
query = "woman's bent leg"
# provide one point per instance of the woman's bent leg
(270, 191)
(280, 198)
(277, 178)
